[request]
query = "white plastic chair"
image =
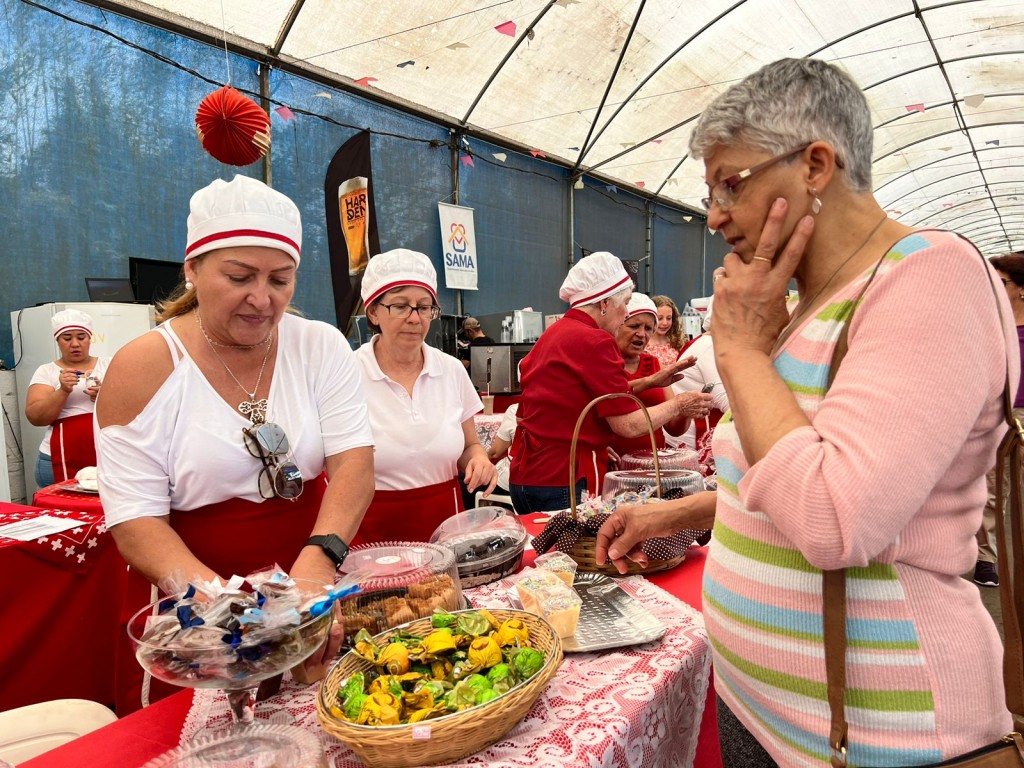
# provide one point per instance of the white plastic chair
(36, 728)
(500, 498)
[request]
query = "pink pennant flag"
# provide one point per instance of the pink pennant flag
(366, 82)
(508, 28)
(537, 153)
(947, 205)
(656, 141)
(285, 113)
(641, 184)
(915, 107)
(466, 159)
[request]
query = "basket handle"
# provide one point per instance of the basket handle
(576, 436)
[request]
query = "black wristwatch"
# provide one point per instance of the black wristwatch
(333, 547)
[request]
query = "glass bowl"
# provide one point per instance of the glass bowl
(488, 543)
(204, 656)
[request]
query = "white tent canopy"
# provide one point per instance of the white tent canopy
(614, 87)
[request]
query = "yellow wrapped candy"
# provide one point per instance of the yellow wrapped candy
(381, 708)
(483, 653)
(394, 658)
(512, 632)
(438, 642)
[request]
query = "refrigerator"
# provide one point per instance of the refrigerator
(114, 325)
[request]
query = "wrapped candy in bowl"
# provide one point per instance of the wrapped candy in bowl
(675, 483)
(235, 639)
(435, 690)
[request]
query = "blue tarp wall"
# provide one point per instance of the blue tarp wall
(99, 156)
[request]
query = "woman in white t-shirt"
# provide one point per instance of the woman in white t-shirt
(61, 396)
(421, 404)
(219, 429)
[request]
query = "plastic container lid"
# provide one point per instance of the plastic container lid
(253, 746)
(668, 458)
(482, 538)
(394, 563)
(674, 482)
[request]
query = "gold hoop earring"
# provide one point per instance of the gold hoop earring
(816, 202)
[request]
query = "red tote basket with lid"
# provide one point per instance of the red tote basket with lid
(577, 537)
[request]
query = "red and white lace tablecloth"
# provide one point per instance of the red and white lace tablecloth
(638, 706)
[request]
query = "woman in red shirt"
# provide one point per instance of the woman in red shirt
(643, 370)
(575, 361)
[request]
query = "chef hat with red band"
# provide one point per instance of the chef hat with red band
(593, 278)
(70, 320)
(243, 211)
(396, 269)
(640, 303)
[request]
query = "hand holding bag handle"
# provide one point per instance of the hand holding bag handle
(1009, 751)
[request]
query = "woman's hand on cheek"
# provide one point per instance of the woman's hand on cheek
(750, 298)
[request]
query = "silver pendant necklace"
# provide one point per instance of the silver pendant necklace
(253, 409)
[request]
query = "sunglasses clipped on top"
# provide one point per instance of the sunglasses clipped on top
(279, 477)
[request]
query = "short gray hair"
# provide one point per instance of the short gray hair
(789, 103)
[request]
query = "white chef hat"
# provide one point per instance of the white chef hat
(70, 320)
(593, 278)
(640, 303)
(707, 315)
(243, 211)
(397, 268)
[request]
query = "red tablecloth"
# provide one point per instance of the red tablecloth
(133, 740)
(59, 612)
(59, 496)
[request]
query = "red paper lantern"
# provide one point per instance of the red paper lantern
(233, 128)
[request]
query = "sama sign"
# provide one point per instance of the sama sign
(458, 242)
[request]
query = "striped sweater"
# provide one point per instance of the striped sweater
(888, 482)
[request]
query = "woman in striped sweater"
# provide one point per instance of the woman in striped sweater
(881, 473)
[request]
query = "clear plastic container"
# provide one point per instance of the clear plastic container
(675, 483)
(399, 582)
(668, 458)
(487, 542)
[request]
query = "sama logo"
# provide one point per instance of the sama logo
(455, 254)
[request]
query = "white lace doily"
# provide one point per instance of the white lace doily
(639, 706)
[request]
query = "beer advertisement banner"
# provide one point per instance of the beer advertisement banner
(458, 241)
(352, 235)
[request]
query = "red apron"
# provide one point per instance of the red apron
(234, 536)
(72, 446)
(411, 515)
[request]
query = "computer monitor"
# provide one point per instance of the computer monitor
(153, 280)
(110, 289)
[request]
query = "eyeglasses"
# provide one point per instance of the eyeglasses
(723, 194)
(402, 311)
(279, 477)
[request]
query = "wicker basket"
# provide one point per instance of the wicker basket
(583, 551)
(444, 739)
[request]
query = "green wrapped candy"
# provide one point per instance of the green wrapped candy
(355, 684)
(472, 623)
(354, 705)
(501, 678)
(436, 688)
(479, 683)
(527, 663)
(462, 696)
(487, 695)
(442, 619)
